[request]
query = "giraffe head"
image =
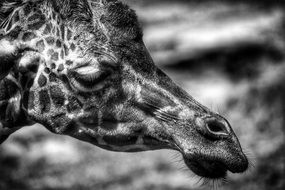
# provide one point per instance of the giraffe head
(81, 68)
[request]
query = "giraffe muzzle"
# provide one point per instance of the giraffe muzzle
(215, 166)
(210, 148)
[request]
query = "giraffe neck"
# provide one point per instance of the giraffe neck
(40, 28)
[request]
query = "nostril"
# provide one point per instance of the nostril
(217, 128)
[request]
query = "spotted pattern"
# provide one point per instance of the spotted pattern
(28, 36)
(58, 43)
(66, 50)
(53, 65)
(62, 29)
(50, 52)
(68, 62)
(55, 56)
(57, 96)
(60, 68)
(44, 101)
(46, 96)
(73, 104)
(52, 77)
(72, 47)
(50, 40)
(42, 81)
(60, 123)
(37, 25)
(15, 32)
(27, 10)
(121, 115)
(57, 32)
(69, 35)
(47, 70)
(62, 54)
(40, 45)
(16, 17)
(48, 29)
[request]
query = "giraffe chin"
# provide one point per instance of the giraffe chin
(207, 168)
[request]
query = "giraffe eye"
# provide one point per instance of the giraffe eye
(88, 78)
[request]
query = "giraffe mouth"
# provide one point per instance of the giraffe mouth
(211, 169)
(214, 166)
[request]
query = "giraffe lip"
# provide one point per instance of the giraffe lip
(212, 169)
(215, 167)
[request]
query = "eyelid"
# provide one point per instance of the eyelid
(87, 70)
(108, 61)
(92, 77)
(104, 60)
(83, 62)
(88, 82)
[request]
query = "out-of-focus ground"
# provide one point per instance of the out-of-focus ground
(229, 55)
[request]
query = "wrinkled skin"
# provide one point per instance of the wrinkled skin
(117, 98)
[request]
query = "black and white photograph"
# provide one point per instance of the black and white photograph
(142, 95)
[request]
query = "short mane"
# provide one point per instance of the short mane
(66, 8)
(81, 12)
(118, 13)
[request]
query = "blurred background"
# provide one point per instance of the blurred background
(229, 55)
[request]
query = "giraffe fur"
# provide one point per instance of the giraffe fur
(80, 68)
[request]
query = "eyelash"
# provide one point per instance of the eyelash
(92, 74)
(89, 82)
(89, 79)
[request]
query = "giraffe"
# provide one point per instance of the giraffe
(80, 68)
